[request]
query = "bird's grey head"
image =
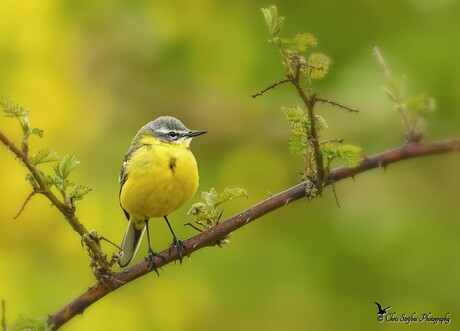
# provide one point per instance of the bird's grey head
(170, 130)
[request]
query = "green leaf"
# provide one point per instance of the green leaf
(329, 151)
(300, 43)
(295, 115)
(49, 180)
(11, 109)
(79, 192)
(300, 126)
(25, 323)
(32, 181)
(318, 65)
(229, 194)
(198, 209)
(350, 155)
(320, 123)
(44, 155)
(38, 132)
(207, 219)
(65, 166)
(298, 141)
(209, 197)
(62, 184)
(420, 105)
(274, 23)
(213, 198)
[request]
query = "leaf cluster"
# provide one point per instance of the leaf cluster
(13, 110)
(350, 155)
(30, 323)
(62, 167)
(293, 50)
(207, 214)
(302, 68)
(413, 110)
(300, 142)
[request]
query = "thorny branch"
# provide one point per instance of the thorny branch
(209, 237)
(336, 104)
(272, 86)
(69, 213)
(310, 101)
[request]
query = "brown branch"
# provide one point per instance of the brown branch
(272, 86)
(209, 237)
(309, 101)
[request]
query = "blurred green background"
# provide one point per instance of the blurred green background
(92, 73)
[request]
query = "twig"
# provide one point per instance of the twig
(272, 86)
(335, 195)
(210, 236)
(193, 226)
(309, 102)
(333, 103)
(31, 194)
(383, 64)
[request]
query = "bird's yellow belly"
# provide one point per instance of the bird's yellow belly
(160, 180)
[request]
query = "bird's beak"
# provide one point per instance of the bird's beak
(194, 133)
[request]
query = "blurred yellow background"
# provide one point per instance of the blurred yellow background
(93, 72)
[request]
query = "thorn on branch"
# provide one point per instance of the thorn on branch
(272, 86)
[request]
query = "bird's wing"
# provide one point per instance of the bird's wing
(378, 305)
(123, 172)
(123, 178)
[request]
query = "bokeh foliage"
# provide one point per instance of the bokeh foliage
(93, 72)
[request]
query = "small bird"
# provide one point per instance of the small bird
(382, 311)
(159, 174)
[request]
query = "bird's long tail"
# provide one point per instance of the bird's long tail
(130, 244)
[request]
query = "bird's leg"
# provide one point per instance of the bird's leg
(152, 254)
(179, 244)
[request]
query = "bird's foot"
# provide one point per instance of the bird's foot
(180, 246)
(151, 260)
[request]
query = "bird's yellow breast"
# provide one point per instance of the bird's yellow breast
(161, 177)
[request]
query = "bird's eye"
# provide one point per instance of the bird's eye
(172, 134)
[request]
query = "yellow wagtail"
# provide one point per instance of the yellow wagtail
(159, 174)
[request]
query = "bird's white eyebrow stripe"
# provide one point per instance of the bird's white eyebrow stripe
(166, 131)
